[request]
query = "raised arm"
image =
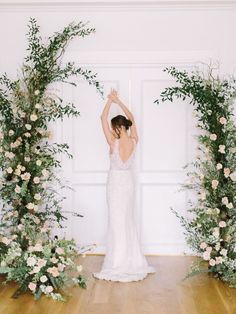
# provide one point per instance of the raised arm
(128, 113)
(105, 124)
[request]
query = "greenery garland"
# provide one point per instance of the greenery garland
(31, 206)
(211, 229)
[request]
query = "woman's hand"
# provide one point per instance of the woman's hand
(113, 96)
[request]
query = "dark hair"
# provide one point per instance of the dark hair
(119, 121)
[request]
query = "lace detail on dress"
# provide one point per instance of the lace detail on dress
(116, 163)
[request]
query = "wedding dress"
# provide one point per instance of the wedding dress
(124, 260)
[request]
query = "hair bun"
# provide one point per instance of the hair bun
(128, 122)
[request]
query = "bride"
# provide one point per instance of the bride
(124, 260)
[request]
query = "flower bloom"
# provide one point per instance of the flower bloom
(31, 261)
(221, 149)
(222, 224)
(25, 176)
(33, 117)
(30, 205)
(206, 255)
(225, 200)
(212, 262)
(41, 262)
(17, 189)
(233, 176)
(45, 173)
(37, 196)
(213, 137)
(32, 286)
(43, 278)
(9, 170)
(54, 271)
(216, 232)
(203, 245)
(27, 159)
(38, 162)
(219, 166)
(28, 126)
(223, 252)
(49, 289)
(36, 92)
(222, 120)
(214, 184)
(226, 172)
(11, 132)
(36, 180)
(230, 205)
(219, 260)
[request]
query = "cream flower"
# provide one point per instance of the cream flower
(36, 92)
(31, 261)
(203, 245)
(43, 278)
(226, 172)
(49, 289)
(38, 162)
(61, 267)
(28, 126)
(225, 200)
(37, 196)
(219, 260)
(223, 252)
(216, 232)
(25, 176)
(222, 120)
(36, 180)
(214, 184)
(206, 256)
(32, 286)
(221, 149)
(54, 260)
(33, 117)
(17, 189)
(222, 224)
(38, 247)
(212, 262)
(54, 271)
(6, 241)
(30, 205)
(38, 106)
(230, 205)
(27, 134)
(45, 173)
(9, 170)
(219, 166)
(233, 176)
(27, 159)
(41, 262)
(213, 137)
(36, 270)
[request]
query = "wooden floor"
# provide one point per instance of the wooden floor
(161, 293)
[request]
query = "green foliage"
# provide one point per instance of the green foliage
(31, 206)
(211, 230)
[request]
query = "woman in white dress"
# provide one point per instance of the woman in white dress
(124, 260)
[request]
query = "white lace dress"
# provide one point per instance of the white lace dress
(124, 260)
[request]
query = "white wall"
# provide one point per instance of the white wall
(133, 43)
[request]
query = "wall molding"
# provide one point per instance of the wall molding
(94, 5)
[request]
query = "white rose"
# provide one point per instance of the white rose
(216, 232)
(219, 166)
(36, 270)
(9, 170)
(225, 200)
(219, 260)
(206, 256)
(223, 252)
(43, 278)
(38, 162)
(213, 137)
(27, 159)
(226, 172)
(36, 92)
(214, 184)
(49, 289)
(38, 106)
(30, 205)
(32, 286)
(203, 245)
(26, 176)
(37, 196)
(233, 176)
(222, 120)
(27, 134)
(33, 117)
(221, 149)
(28, 126)
(17, 189)
(31, 261)
(36, 180)
(222, 224)
(230, 205)
(212, 262)
(60, 250)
